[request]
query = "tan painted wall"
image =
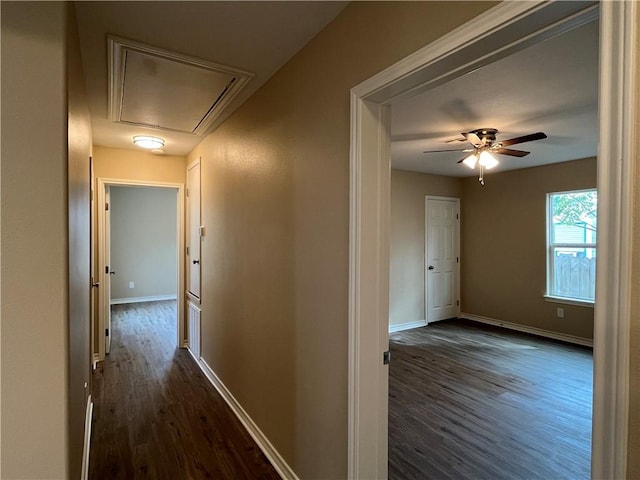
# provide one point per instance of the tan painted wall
(34, 289)
(406, 282)
(275, 181)
(121, 164)
(79, 136)
(143, 241)
(504, 246)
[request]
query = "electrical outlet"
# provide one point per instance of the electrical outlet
(131, 285)
(560, 312)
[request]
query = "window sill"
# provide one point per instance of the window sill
(569, 301)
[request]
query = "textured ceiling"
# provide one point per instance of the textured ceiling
(550, 87)
(258, 37)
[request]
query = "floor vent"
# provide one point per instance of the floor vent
(156, 88)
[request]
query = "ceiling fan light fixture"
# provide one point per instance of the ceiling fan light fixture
(149, 142)
(471, 161)
(487, 160)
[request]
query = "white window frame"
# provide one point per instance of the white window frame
(551, 246)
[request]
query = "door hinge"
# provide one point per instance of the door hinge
(187, 251)
(106, 332)
(457, 259)
(187, 192)
(106, 206)
(457, 216)
(386, 357)
(106, 269)
(457, 303)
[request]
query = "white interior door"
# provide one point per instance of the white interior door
(194, 230)
(107, 272)
(442, 258)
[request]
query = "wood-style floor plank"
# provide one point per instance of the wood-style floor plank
(156, 416)
(468, 401)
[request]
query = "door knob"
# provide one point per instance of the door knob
(431, 267)
(196, 262)
(112, 273)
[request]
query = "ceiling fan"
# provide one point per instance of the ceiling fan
(485, 146)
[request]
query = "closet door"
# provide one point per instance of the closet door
(193, 229)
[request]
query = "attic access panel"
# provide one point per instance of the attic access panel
(160, 89)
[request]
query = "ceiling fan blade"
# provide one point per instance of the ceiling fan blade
(513, 153)
(450, 150)
(472, 138)
(526, 138)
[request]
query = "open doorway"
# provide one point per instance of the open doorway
(470, 47)
(142, 253)
(140, 237)
(550, 86)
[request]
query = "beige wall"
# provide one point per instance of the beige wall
(406, 281)
(34, 289)
(143, 242)
(275, 188)
(79, 151)
(138, 165)
(504, 246)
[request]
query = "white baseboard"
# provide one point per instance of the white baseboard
(95, 360)
(87, 440)
(398, 327)
(586, 342)
(260, 438)
(152, 298)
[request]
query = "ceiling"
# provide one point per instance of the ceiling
(551, 87)
(254, 37)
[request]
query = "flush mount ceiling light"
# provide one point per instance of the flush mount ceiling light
(146, 141)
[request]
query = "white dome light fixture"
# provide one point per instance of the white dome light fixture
(149, 142)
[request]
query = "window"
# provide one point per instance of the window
(571, 245)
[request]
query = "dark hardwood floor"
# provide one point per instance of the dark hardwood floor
(156, 416)
(468, 401)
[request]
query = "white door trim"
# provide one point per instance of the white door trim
(102, 183)
(369, 225)
(618, 140)
(426, 252)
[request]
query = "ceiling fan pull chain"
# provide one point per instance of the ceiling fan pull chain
(481, 178)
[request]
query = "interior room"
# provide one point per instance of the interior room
(499, 272)
(300, 257)
(143, 241)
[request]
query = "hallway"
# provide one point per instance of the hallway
(155, 413)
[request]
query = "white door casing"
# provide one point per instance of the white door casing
(103, 295)
(442, 258)
(108, 270)
(194, 229)
(503, 29)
